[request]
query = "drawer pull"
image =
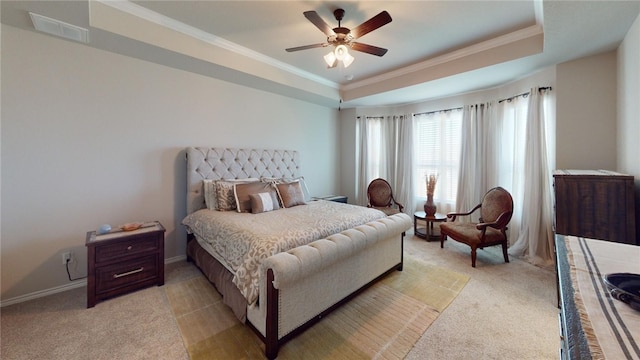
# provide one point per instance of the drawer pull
(115, 276)
(129, 247)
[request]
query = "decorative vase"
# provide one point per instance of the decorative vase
(429, 206)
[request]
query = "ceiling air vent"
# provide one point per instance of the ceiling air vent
(59, 28)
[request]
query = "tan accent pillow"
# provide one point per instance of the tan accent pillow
(242, 192)
(225, 192)
(303, 184)
(290, 194)
(263, 202)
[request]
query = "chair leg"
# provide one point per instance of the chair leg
(473, 257)
(443, 237)
(504, 252)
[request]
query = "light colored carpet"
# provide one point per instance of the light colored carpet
(383, 322)
(505, 311)
(134, 326)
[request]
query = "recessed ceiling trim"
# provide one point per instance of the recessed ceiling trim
(513, 37)
(152, 16)
(59, 28)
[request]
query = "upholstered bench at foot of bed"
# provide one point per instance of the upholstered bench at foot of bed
(312, 278)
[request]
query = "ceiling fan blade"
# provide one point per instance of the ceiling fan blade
(319, 23)
(305, 47)
(369, 49)
(368, 26)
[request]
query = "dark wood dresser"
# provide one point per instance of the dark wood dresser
(121, 262)
(595, 204)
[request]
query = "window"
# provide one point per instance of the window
(437, 151)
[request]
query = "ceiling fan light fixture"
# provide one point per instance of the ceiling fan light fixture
(341, 52)
(343, 38)
(330, 59)
(348, 59)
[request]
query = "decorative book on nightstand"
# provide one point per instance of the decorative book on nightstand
(336, 198)
(120, 262)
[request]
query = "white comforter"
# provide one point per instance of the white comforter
(243, 240)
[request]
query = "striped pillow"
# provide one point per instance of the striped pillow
(263, 202)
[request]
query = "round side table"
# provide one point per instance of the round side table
(428, 232)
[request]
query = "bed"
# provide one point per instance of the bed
(280, 260)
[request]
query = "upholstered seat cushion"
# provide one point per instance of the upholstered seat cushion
(387, 210)
(468, 233)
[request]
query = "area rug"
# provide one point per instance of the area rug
(384, 321)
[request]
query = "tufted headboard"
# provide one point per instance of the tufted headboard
(224, 163)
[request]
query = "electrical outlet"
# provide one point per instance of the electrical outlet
(66, 257)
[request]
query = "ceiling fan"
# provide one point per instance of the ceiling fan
(343, 38)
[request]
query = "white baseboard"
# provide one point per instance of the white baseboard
(66, 287)
(175, 259)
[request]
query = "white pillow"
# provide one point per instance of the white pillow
(210, 197)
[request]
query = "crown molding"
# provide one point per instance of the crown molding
(480, 47)
(152, 16)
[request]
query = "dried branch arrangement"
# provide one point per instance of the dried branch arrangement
(431, 180)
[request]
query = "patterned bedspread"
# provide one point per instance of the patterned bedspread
(243, 240)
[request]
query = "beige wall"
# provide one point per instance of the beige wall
(92, 137)
(586, 113)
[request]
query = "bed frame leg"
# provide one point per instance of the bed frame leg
(401, 252)
(271, 339)
(190, 237)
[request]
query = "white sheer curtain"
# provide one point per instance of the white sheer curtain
(535, 240)
(477, 169)
(402, 174)
(510, 124)
(385, 150)
(504, 144)
(362, 148)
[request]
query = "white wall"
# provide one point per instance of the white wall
(629, 110)
(629, 102)
(348, 154)
(91, 137)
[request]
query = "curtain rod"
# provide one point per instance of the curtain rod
(525, 94)
(437, 111)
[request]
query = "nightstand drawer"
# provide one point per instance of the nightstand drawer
(120, 249)
(111, 277)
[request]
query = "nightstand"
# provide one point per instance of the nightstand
(124, 261)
